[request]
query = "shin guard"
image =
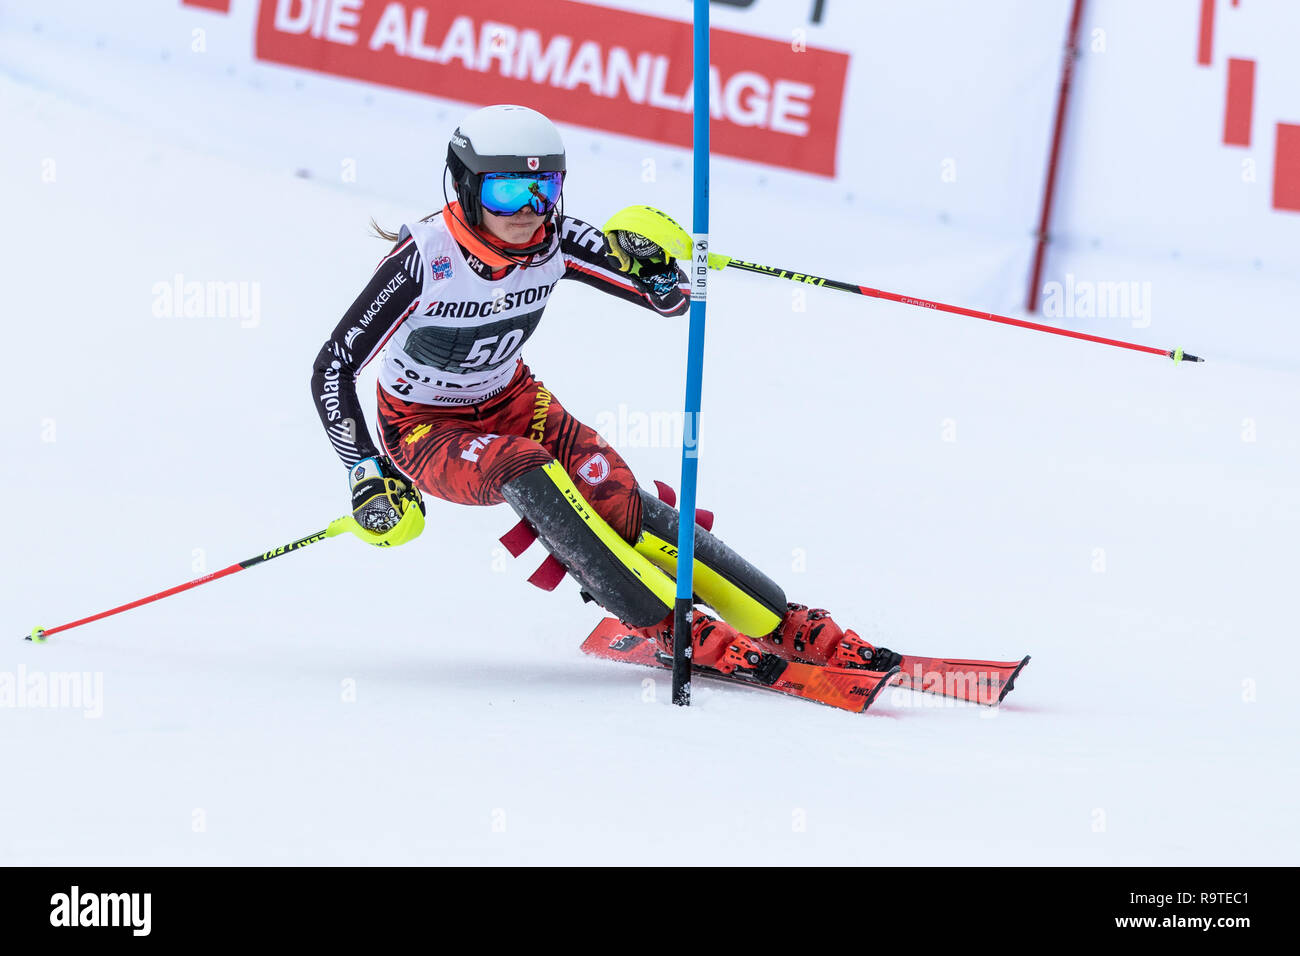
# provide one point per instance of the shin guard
(743, 596)
(604, 565)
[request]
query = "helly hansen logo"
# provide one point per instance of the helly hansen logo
(583, 235)
(75, 908)
(476, 447)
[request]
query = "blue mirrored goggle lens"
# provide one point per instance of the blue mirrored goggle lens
(505, 194)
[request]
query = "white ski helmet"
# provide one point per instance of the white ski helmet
(500, 139)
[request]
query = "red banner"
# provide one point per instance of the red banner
(773, 102)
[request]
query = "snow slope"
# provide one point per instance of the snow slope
(948, 486)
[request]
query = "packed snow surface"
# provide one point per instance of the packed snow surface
(946, 486)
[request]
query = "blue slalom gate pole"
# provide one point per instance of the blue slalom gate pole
(699, 271)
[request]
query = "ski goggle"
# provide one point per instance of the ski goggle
(504, 194)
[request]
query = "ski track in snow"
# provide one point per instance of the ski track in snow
(478, 733)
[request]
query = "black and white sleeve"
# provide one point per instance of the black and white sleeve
(389, 297)
(587, 258)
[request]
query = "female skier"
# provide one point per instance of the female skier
(462, 418)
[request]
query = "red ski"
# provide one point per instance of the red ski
(845, 688)
(981, 682)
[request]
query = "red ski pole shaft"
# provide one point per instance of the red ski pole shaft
(39, 634)
(722, 262)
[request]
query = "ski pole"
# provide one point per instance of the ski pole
(717, 261)
(337, 526)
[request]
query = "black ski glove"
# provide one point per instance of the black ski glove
(644, 261)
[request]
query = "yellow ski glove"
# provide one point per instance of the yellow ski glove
(645, 244)
(387, 510)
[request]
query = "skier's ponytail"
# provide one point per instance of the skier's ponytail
(382, 233)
